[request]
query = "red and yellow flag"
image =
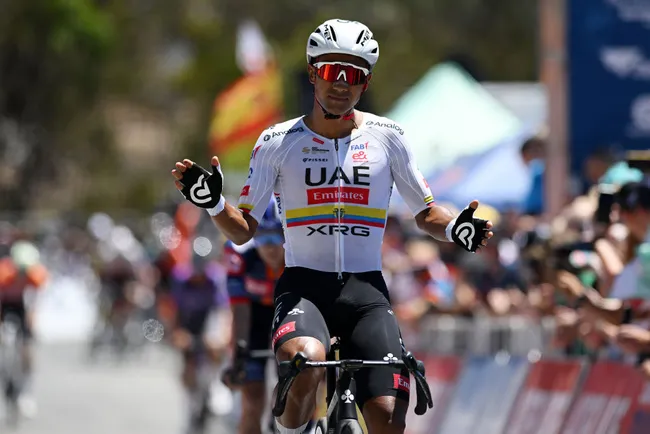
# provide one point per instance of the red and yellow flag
(241, 113)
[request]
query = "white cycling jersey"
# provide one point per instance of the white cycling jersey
(333, 194)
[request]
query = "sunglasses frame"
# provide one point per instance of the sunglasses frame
(365, 71)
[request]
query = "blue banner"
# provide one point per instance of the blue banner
(485, 393)
(608, 60)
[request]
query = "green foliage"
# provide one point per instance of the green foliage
(65, 64)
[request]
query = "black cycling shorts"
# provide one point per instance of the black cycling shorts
(357, 310)
(259, 339)
(17, 309)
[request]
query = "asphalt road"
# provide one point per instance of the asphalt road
(138, 396)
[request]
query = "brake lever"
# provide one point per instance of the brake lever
(287, 373)
(416, 367)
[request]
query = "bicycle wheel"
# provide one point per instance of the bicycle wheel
(321, 426)
(350, 426)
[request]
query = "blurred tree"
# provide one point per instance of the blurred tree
(52, 55)
(99, 97)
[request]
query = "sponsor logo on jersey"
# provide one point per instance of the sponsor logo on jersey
(317, 150)
(348, 214)
(360, 157)
(284, 330)
(386, 125)
(359, 147)
(278, 200)
(320, 176)
(322, 195)
(314, 150)
(245, 190)
(321, 160)
(357, 231)
(401, 382)
(273, 134)
(287, 132)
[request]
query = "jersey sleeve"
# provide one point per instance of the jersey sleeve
(236, 268)
(262, 174)
(409, 181)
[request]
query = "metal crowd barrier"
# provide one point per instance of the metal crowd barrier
(516, 335)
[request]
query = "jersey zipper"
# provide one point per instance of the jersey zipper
(339, 212)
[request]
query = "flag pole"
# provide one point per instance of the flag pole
(553, 72)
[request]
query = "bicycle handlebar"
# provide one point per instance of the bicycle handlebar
(289, 371)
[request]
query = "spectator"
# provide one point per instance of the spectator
(532, 153)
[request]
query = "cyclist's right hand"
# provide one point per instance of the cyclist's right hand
(199, 186)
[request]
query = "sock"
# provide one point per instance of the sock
(283, 430)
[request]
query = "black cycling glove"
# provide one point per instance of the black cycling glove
(468, 231)
(201, 187)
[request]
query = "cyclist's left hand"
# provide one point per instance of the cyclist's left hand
(469, 232)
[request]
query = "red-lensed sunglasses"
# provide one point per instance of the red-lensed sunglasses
(335, 71)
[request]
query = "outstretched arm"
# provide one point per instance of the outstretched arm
(434, 221)
(235, 225)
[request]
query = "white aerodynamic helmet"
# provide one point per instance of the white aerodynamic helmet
(343, 37)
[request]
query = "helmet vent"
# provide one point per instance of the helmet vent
(313, 43)
(360, 36)
(333, 33)
(374, 50)
(318, 30)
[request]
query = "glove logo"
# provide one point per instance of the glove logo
(199, 192)
(465, 233)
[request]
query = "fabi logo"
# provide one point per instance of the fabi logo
(359, 147)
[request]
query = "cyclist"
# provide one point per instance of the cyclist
(200, 330)
(20, 273)
(118, 278)
(253, 270)
(332, 172)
